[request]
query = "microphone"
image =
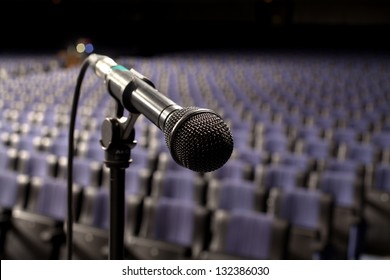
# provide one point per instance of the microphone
(197, 138)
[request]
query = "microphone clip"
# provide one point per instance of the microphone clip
(118, 138)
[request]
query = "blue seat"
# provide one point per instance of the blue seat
(309, 214)
(235, 194)
(137, 181)
(318, 149)
(59, 146)
(377, 213)
(243, 234)
(301, 162)
(232, 169)
(86, 172)
(362, 153)
(381, 179)
(275, 143)
(37, 231)
(37, 164)
(165, 162)
(13, 194)
(347, 192)
(381, 140)
(344, 135)
(278, 176)
(7, 158)
(170, 229)
(94, 152)
(173, 184)
(26, 142)
(250, 156)
(141, 157)
(90, 231)
(11, 189)
(345, 166)
(308, 132)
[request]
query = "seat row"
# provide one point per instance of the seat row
(353, 215)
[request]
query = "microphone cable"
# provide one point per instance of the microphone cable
(72, 125)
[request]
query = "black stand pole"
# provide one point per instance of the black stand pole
(117, 208)
(117, 141)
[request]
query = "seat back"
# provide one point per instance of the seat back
(173, 184)
(377, 213)
(37, 231)
(13, 188)
(244, 234)
(347, 193)
(309, 214)
(343, 187)
(278, 176)
(51, 199)
(37, 164)
(235, 194)
(170, 229)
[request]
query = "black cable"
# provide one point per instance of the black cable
(69, 236)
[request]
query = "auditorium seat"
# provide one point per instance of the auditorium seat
(309, 215)
(170, 229)
(362, 153)
(37, 164)
(302, 162)
(137, 180)
(344, 135)
(142, 157)
(318, 149)
(308, 132)
(86, 172)
(165, 162)
(343, 165)
(8, 157)
(278, 176)
(381, 141)
(24, 142)
(272, 139)
(274, 144)
(347, 193)
(244, 234)
(13, 195)
(230, 194)
(377, 213)
(233, 169)
(173, 184)
(91, 230)
(251, 157)
(37, 231)
(58, 147)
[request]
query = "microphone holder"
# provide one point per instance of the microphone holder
(117, 140)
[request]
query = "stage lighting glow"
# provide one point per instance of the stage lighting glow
(80, 47)
(89, 48)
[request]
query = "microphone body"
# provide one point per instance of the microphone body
(197, 138)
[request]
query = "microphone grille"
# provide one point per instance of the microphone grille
(198, 139)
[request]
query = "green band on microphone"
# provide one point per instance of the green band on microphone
(120, 68)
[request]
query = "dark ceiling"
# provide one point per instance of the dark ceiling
(161, 25)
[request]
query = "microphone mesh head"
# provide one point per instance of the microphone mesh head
(198, 139)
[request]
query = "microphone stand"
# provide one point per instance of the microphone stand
(117, 140)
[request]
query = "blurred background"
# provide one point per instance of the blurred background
(303, 85)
